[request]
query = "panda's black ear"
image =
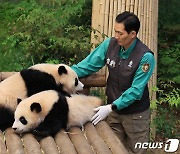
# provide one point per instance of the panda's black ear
(62, 70)
(36, 107)
(18, 100)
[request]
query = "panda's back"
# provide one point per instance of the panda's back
(81, 109)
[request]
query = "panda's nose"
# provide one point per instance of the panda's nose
(14, 128)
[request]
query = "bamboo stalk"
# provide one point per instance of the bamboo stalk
(136, 7)
(156, 36)
(106, 17)
(123, 5)
(144, 21)
(140, 15)
(103, 14)
(98, 21)
(132, 6)
(114, 16)
(150, 26)
(147, 22)
(127, 5)
(110, 18)
(102, 4)
(119, 6)
(104, 23)
(156, 26)
(94, 23)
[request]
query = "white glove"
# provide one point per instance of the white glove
(102, 113)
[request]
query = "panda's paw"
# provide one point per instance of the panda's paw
(36, 132)
(40, 133)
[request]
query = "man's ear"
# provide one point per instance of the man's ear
(133, 34)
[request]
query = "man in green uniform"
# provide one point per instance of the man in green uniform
(130, 64)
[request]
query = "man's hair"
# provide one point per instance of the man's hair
(130, 21)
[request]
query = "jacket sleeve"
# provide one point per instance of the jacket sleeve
(93, 62)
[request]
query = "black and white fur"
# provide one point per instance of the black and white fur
(47, 112)
(35, 79)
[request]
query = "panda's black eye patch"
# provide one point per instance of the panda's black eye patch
(76, 81)
(23, 120)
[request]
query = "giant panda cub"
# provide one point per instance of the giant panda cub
(47, 112)
(35, 79)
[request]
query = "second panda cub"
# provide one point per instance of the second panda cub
(47, 112)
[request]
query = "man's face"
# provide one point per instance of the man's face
(123, 38)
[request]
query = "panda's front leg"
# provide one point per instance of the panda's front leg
(48, 128)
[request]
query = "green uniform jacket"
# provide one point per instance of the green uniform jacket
(96, 60)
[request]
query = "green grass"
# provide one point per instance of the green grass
(167, 123)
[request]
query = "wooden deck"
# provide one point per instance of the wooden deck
(92, 140)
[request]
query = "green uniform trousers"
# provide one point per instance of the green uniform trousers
(131, 128)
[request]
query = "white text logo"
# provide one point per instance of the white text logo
(170, 145)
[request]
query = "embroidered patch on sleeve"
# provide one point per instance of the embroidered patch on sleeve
(145, 67)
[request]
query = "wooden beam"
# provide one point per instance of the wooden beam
(4, 75)
(94, 80)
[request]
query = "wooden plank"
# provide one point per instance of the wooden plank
(94, 80)
(13, 142)
(95, 140)
(48, 145)
(99, 139)
(81, 144)
(110, 138)
(2, 144)
(4, 75)
(64, 143)
(31, 144)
